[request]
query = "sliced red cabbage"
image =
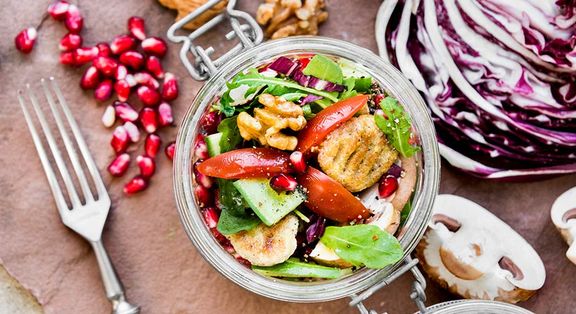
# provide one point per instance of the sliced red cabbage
(293, 70)
(310, 98)
(316, 228)
(283, 65)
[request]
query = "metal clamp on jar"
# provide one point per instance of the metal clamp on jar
(248, 52)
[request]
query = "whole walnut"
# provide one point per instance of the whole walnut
(283, 18)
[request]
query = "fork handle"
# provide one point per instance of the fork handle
(113, 286)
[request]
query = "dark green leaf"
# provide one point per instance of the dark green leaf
(396, 125)
(405, 211)
(235, 217)
(294, 268)
(362, 84)
(324, 68)
(230, 134)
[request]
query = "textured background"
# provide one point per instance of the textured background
(160, 268)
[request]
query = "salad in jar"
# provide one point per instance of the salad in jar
(305, 168)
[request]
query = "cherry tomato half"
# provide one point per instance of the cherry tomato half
(247, 163)
(327, 120)
(330, 199)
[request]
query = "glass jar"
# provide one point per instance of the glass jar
(409, 233)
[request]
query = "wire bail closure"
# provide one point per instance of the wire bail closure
(195, 58)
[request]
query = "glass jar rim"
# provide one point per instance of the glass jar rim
(394, 82)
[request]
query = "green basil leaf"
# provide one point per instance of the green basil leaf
(363, 245)
(397, 126)
(235, 217)
(230, 134)
(324, 68)
(362, 84)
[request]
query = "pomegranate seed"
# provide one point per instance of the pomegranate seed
(122, 43)
(387, 186)
(119, 165)
(154, 66)
(297, 160)
(137, 184)
(106, 65)
(147, 166)
(210, 122)
(203, 196)
(131, 80)
(109, 116)
(103, 50)
(70, 42)
(121, 72)
(119, 140)
(26, 39)
(152, 144)
(58, 10)
(86, 54)
(165, 114)
(217, 199)
(90, 79)
(73, 20)
(125, 112)
(144, 78)
(210, 217)
(133, 59)
(170, 150)
(136, 27)
(200, 178)
(148, 119)
(68, 58)
(148, 96)
(103, 91)
(200, 148)
(378, 98)
(122, 89)
(154, 46)
(170, 87)
(283, 182)
(132, 130)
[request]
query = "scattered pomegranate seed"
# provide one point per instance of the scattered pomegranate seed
(154, 46)
(26, 39)
(283, 182)
(149, 119)
(147, 166)
(122, 89)
(132, 130)
(106, 65)
(68, 58)
(73, 21)
(119, 165)
(210, 122)
(152, 144)
(90, 79)
(387, 186)
(170, 87)
(109, 116)
(210, 217)
(133, 59)
(58, 10)
(200, 148)
(148, 96)
(86, 54)
(144, 78)
(125, 112)
(137, 184)
(298, 162)
(131, 80)
(136, 27)
(70, 42)
(119, 140)
(104, 50)
(154, 66)
(165, 114)
(122, 43)
(103, 91)
(203, 196)
(169, 150)
(121, 72)
(200, 178)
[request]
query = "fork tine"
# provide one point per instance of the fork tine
(54, 149)
(52, 181)
(72, 154)
(92, 168)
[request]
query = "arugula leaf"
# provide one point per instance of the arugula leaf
(234, 217)
(396, 125)
(362, 84)
(363, 245)
(405, 211)
(230, 134)
(294, 268)
(324, 68)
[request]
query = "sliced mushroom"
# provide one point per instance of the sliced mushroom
(564, 218)
(474, 254)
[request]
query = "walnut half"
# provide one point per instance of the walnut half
(267, 123)
(284, 18)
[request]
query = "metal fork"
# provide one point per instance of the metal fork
(86, 218)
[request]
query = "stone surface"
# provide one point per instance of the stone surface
(160, 268)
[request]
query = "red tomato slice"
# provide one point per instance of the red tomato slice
(330, 199)
(246, 163)
(304, 62)
(327, 120)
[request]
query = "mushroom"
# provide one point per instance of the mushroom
(474, 254)
(564, 218)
